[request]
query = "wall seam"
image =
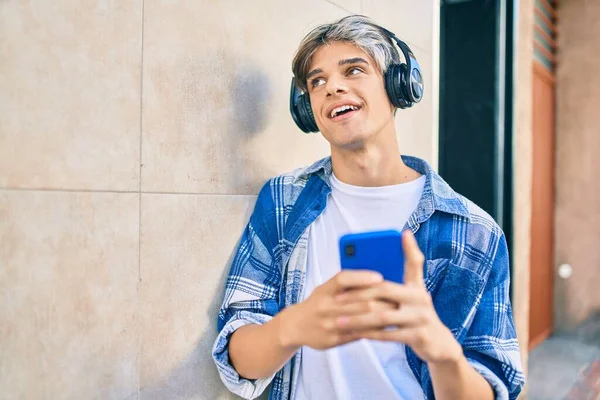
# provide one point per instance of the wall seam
(126, 192)
(139, 342)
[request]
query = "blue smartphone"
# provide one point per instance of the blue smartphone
(379, 251)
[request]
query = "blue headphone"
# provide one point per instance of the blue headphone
(403, 84)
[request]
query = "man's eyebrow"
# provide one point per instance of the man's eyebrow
(355, 60)
(313, 73)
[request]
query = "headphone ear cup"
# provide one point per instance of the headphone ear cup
(395, 85)
(389, 84)
(308, 118)
(404, 86)
(300, 109)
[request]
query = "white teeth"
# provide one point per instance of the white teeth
(335, 111)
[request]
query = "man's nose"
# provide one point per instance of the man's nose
(336, 85)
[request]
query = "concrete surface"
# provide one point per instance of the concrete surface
(567, 365)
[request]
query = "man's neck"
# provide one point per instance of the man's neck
(375, 164)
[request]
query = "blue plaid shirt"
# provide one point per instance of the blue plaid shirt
(466, 272)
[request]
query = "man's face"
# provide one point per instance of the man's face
(347, 95)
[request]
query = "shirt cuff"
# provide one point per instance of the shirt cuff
(245, 388)
(499, 388)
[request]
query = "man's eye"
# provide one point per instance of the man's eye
(317, 82)
(354, 71)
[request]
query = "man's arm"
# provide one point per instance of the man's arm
(457, 379)
(250, 296)
(259, 351)
(417, 325)
(255, 337)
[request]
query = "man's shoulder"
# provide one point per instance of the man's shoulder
(460, 211)
(287, 186)
(477, 239)
(479, 219)
(279, 197)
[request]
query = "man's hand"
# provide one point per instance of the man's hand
(414, 322)
(313, 322)
(259, 351)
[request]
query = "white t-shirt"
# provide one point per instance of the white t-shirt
(364, 369)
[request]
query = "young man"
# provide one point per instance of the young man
(292, 319)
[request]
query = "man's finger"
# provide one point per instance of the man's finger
(385, 291)
(399, 318)
(363, 307)
(401, 335)
(352, 279)
(413, 260)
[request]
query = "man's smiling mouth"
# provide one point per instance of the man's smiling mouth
(343, 112)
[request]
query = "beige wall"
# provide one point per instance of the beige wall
(522, 175)
(133, 139)
(577, 161)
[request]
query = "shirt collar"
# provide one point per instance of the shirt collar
(437, 194)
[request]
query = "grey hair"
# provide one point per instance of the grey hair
(358, 30)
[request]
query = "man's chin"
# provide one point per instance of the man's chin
(352, 143)
(348, 137)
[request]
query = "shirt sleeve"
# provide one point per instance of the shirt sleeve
(491, 344)
(251, 296)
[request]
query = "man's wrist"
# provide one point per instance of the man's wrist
(451, 355)
(453, 377)
(287, 334)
